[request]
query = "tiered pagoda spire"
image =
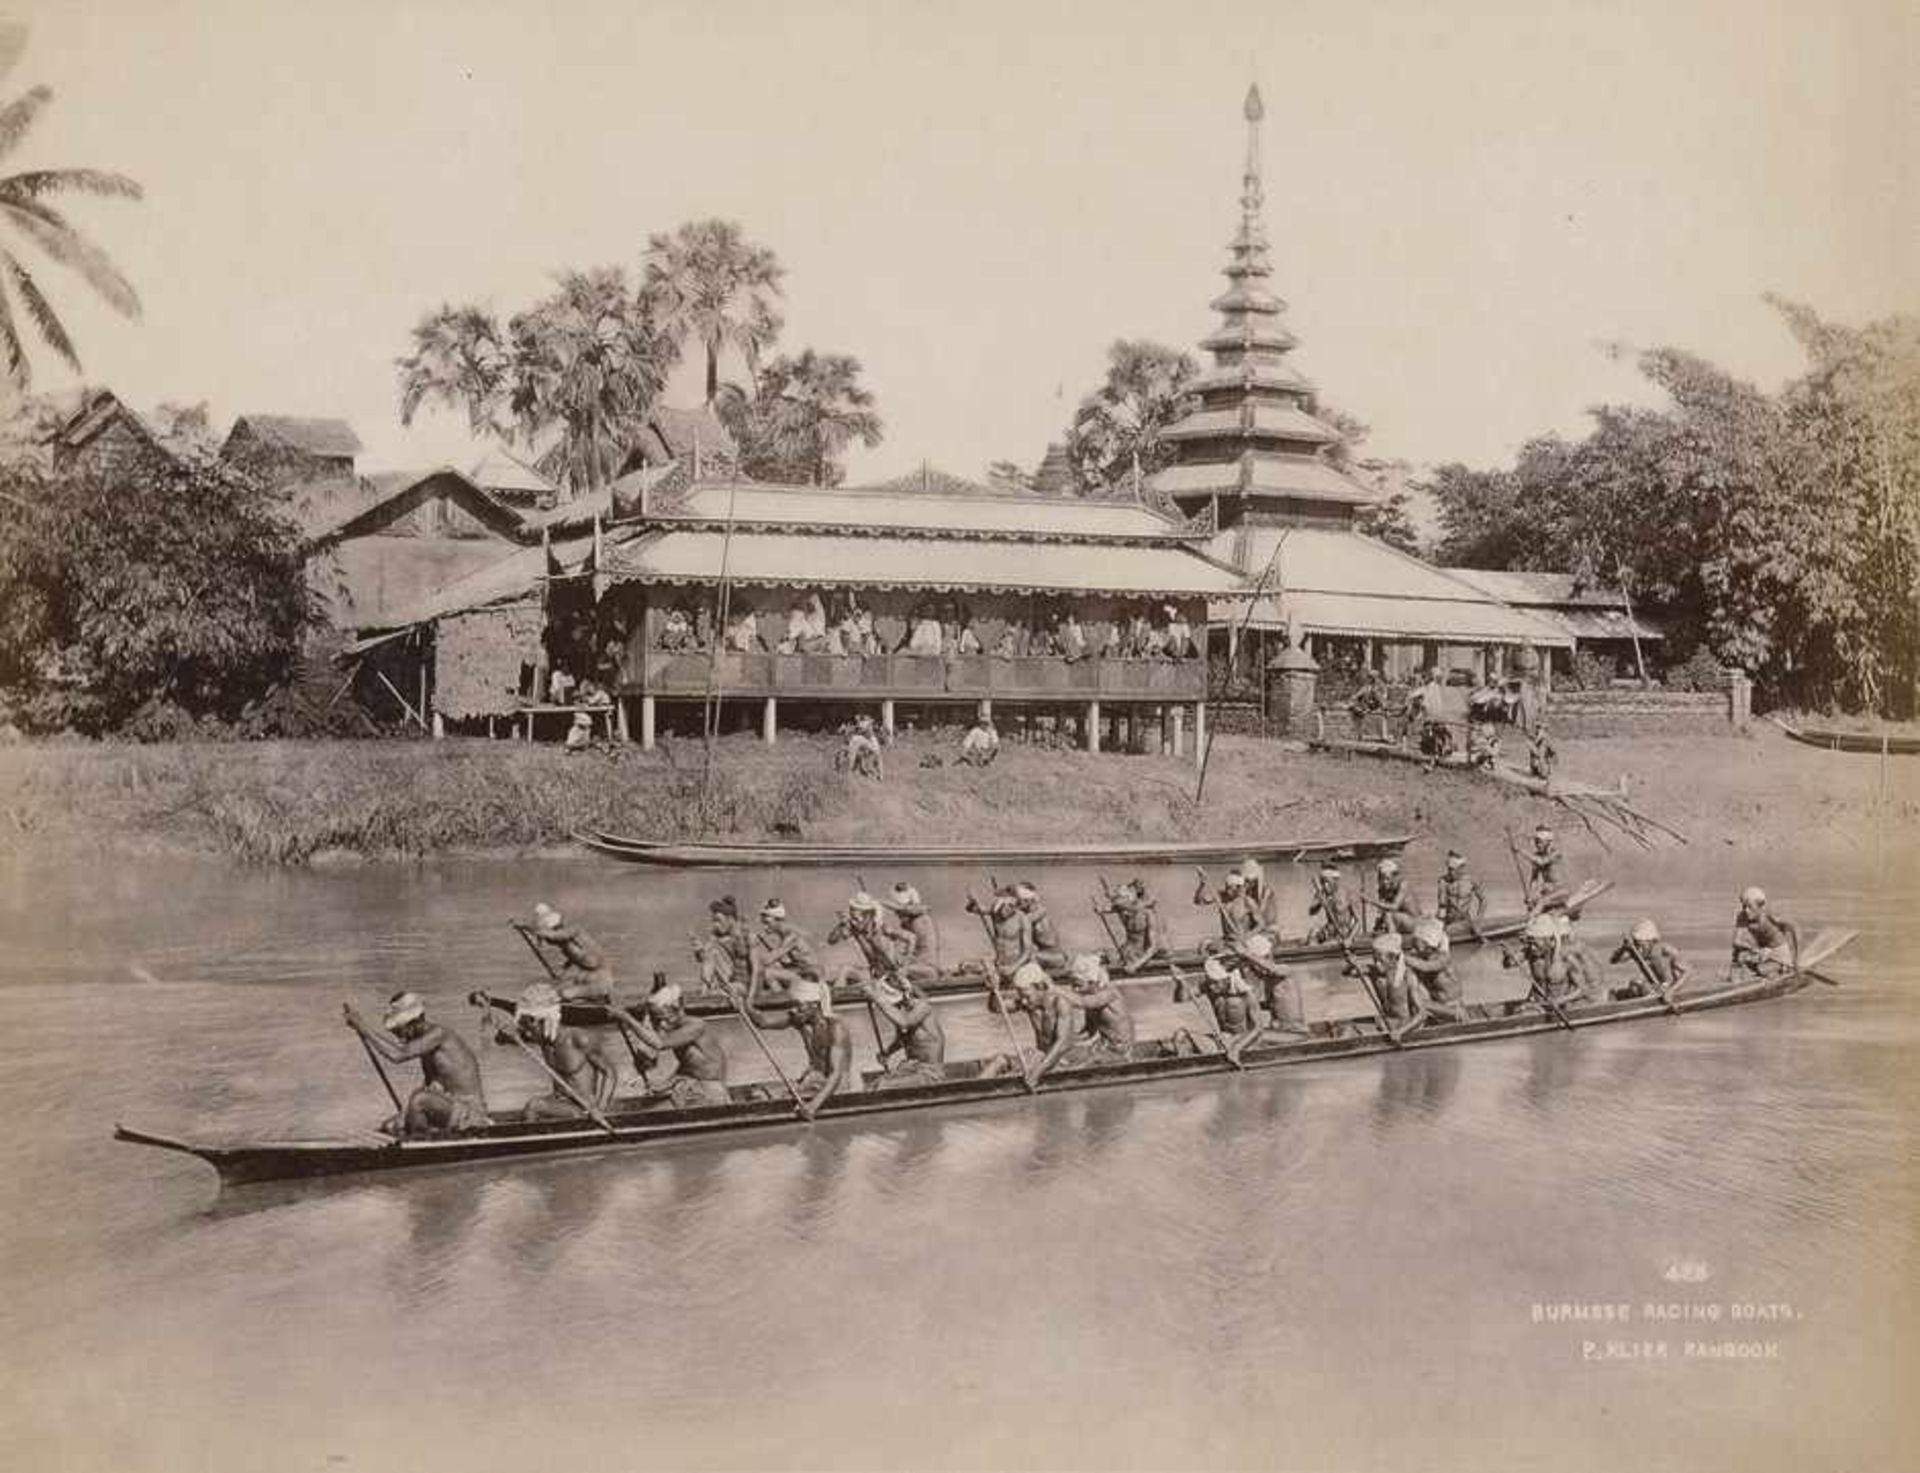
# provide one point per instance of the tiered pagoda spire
(1253, 448)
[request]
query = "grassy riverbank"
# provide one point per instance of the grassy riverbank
(303, 802)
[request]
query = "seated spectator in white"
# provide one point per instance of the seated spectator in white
(1179, 635)
(1153, 644)
(743, 635)
(1072, 638)
(560, 688)
(1009, 645)
(868, 642)
(1115, 644)
(926, 638)
(678, 632)
(1041, 643)
(1139, 637)
(981, 744)
(580, 734)
(969, 641)
(590, 693)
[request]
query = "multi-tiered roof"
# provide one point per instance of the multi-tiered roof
(1253, 448)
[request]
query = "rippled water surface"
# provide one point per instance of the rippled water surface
(1355, 1265)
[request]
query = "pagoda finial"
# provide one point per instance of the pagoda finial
(1250, 194)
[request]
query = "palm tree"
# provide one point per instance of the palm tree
(458, 362)
(707, 282)
(1120, 424)
(588, 362)
(24, 208)
(809, 409)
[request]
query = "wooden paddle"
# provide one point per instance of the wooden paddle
(1373, 1001)
(740, 1007)
(1646, 971)
(593, 1112)
(379, 1065)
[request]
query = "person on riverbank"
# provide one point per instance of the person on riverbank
(1657, 967)
(1338, 912)
(1392, 904)
(1764, 944)
(1043, 936)
(1108, 1019)
(1546, 870)
(1140, 941)
(585, 973)
(863, 749)
(451, 1098)
(917, 1053)
(826, 1037)
(580, 1059)
(727, 953)
(699, 1058)
(981, 744)
(579, 734)
(1428, 953)
(1541, 754)
(1458, 900)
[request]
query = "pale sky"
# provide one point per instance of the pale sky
(1465, 202)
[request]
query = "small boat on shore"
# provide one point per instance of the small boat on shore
(1830, 740)
(971, 982)
(794, 854)
(758, 1108)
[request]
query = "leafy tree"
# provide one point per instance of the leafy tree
(708, 282)
(803, 415)
(121, 596)
(1391, 518)
(1120, 426)
(25, 209)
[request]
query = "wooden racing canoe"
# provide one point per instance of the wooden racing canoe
(1829, 740)
(799, 854)
(758, 1108)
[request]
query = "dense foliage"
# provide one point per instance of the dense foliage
(1779, 532)
(803, 415)
(142, 602)
(1117, 434)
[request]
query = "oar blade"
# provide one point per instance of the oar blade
(1823, 946)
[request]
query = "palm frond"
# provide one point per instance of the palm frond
(18, 369)
(16, 118)
(63, 243)
(42, 313)
(101, 182)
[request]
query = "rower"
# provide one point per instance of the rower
(1428, 959)
(1339, 913)
(1385, 967)
(1055, 1017)
(918, 1051)
(913, 922)
(1043, 936)
(829, 1042)
(699, 1059)
(450, 1099)
(727, 953)
(790, 956)
(1006, 930)
(1459, 899)
(1230, 996)
(1546, 871)
(582, 1057)
(1651, 957)
(884, 950)
(1279, 988)
(1559, 974)
(1140, 940)
(1764, 944)
(1263, 902)
(1237, 917)
(585, 972)
(1107, 1018)
(1392, 905)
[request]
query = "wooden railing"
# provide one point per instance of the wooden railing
(915, 677)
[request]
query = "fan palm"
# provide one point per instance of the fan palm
(587, 364)
(1121, 424)
(812, 408)
(458, 362)
(26, 212)
(707, 282)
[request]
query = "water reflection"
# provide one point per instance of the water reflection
(1416, 1086)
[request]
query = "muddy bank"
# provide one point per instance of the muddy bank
(299, 803)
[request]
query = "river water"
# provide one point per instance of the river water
(1358, 1265)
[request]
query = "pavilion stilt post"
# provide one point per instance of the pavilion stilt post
(1179, 731)
(1199, 732)
(1093, 726)
(647, 717)
(770, 720)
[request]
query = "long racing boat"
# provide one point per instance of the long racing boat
(756, 1109)
(799, 854)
